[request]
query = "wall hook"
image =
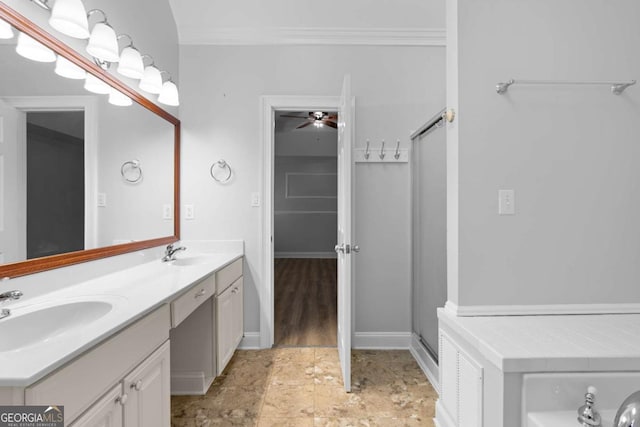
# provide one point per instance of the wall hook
(397, 154)
(381, 155)
(366, 152)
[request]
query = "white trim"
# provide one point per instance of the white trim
(443, 419)
(250, 341)
(382, 340)
(268, 106)
(541, 309)
(312, 36)
(428, 365)
(305, 212)
(323, 255)
(190, 383)
(286, 184)
(88, 104)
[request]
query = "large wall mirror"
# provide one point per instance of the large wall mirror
(80, 178)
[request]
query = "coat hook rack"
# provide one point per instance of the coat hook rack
(363, 155)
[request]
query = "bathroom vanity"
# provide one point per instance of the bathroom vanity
(102, 348)
(533, 371)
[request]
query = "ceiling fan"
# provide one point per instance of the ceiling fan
(316, 118)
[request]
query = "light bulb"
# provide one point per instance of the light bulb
(131, 64)
(70, 18)
(103, 43)
(6, 32)
(68, 69)
(118, 98)
(169, 94)
(151, 80)
(32, 49)
(95, 85)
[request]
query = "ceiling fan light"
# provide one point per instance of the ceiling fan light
(151, 80)
(32, 49)
(169, 94)
(70, 18)
(131, 64)
(6, 32)
(68, 69)
(95, 85)
(118, 98)
(103, 43)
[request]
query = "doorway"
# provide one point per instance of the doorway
(305, 190)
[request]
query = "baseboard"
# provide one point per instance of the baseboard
(542, 309)
(190, 383)
(381, 340)
(425, 361)
(250, 341)
(331, 254)
(443, 419)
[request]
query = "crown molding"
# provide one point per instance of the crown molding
(312, 36)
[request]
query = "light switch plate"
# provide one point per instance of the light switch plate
(189, 212)
(255, 200)
(167, 212)
(102, 200)
(506, 202)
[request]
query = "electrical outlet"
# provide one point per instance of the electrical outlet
(189, 212)
(167, 212)
(255, 199)
(506, 202)
(102, 200)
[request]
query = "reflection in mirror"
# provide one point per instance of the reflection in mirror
(65, 157)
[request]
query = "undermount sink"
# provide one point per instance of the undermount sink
(21, 330)
(191, 260)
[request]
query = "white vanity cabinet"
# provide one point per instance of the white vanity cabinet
(229, 322)
(106, 412)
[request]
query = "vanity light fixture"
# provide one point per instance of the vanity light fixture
(68, 69)
(95, 85)
(6, 32)
(118, 98)
(169, 92)
(70, 18)
(103, 43)
(151, 79)
(32, 49)
(131, 63)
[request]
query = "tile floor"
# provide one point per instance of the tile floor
(302, 387)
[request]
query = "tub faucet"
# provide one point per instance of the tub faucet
(170, 252)
(628, 414)
(588, 416)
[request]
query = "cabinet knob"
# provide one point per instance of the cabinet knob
(234, 290)
(122, 399)
(201, 293)
(137, 385)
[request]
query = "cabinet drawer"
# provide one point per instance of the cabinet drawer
(184, 305)
(228, 275)
(81, 382)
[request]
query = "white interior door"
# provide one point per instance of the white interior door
(344, 246)
(13, 235)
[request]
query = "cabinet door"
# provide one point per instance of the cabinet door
(237, 326)
(106, 412)
(224, 310)
(148, 387)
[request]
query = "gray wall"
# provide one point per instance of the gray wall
(396, 90)
(570, 153)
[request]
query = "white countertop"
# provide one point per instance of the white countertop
(564, 418)
(133, 292)
(599, 342)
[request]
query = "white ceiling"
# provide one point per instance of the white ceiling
(210, 21)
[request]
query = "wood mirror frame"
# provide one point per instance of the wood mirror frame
(22, 268)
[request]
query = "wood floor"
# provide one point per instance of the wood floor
(305, 302)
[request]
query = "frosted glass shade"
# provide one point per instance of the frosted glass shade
(119, 98)
(70, 18)
(95, 85)
(34, 50)
(131, 64)
(151, 80)
(169, 94)
(68, 69)
(6, 32)
(103, 43)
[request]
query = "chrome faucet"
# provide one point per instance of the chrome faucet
(170, 252)
(588, 416)
(628, 414)
(5, 296)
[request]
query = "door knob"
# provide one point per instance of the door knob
(355, 248)
(339, 248)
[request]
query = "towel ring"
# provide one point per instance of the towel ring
(221, 176)
(131, 171)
